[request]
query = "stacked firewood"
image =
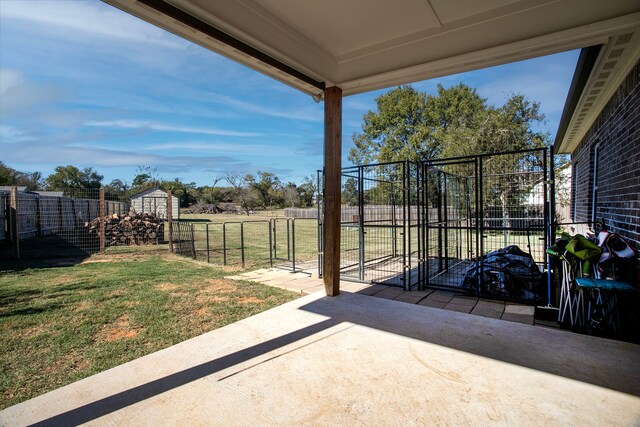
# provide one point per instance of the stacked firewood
(130, 229)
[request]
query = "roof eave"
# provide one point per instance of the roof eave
(584, 67)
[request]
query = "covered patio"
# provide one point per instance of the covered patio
(354, 359)
(359, 360)
(334, 48)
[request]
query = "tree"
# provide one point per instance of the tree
(350, 192)
(211, 194)
(509, 127)
(117, 186)
(146, 177)
(291, 195)
(245, 196)
(409, 125)
(395, 131)
(186, 193)
(10, 176)
(268, 187)
(308, 191)
(141, 180)
(70, 177)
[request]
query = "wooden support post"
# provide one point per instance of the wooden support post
(101, 214)
(332, 185)
(170, 218)
(15, 215)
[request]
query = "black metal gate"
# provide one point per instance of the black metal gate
(380, 224)
(482, 204)
(183, 239)
(432, 224)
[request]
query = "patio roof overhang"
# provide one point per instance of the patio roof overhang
(334, 48)
(362, 46)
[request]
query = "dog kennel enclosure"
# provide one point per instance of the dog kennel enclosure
(468, 223)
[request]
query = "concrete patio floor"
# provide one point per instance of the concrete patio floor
(358, 360)
(448, 300)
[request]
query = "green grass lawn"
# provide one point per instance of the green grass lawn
(61, 324)
(255, 229)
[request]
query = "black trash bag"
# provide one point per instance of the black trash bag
(508, 273)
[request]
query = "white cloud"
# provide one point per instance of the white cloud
(307, 114)
(9, 79)
(215, 147)
(89, 18)
(48, 154)
(11, 134)
(17, 93)
(160, 127)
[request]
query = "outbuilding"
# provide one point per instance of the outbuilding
(155, 200)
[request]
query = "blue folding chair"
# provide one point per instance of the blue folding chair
(602, 302)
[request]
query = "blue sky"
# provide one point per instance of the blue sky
(85, 84)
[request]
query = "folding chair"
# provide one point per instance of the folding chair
(572, 271)
(602, 299)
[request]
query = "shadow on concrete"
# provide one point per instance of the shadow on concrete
(610, 364)
(598, 361)
(134, 395)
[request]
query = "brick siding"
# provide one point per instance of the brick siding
(617, 130)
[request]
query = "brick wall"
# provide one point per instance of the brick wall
(617, 131)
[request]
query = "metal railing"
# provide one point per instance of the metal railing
(290, 243)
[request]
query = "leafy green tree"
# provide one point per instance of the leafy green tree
(146, 177)
(509, 127)
(186, 193)
(397, 130)
(409, 125)
(268, 187)
(10, 176)
(291, 195)
(350, 192)
(70, 177)
(141, 180)
(245, 196)
(117, 187)
(307, 190)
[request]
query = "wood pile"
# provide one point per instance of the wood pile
(129, 229)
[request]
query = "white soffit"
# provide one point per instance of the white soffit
(615, 60)
(362, 45)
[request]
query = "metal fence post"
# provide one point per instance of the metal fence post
(207, 236)
(224, 243)
(270, 243)
(170, 219)
(361, 242)
(101, 215)
(275, 237)
(193, 242)
(288, 241)
(242, 242)
(293, 241)
(16, 219)
(550, 236)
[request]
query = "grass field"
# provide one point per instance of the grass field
(61, 324)
(229, 234)
(225, 242)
